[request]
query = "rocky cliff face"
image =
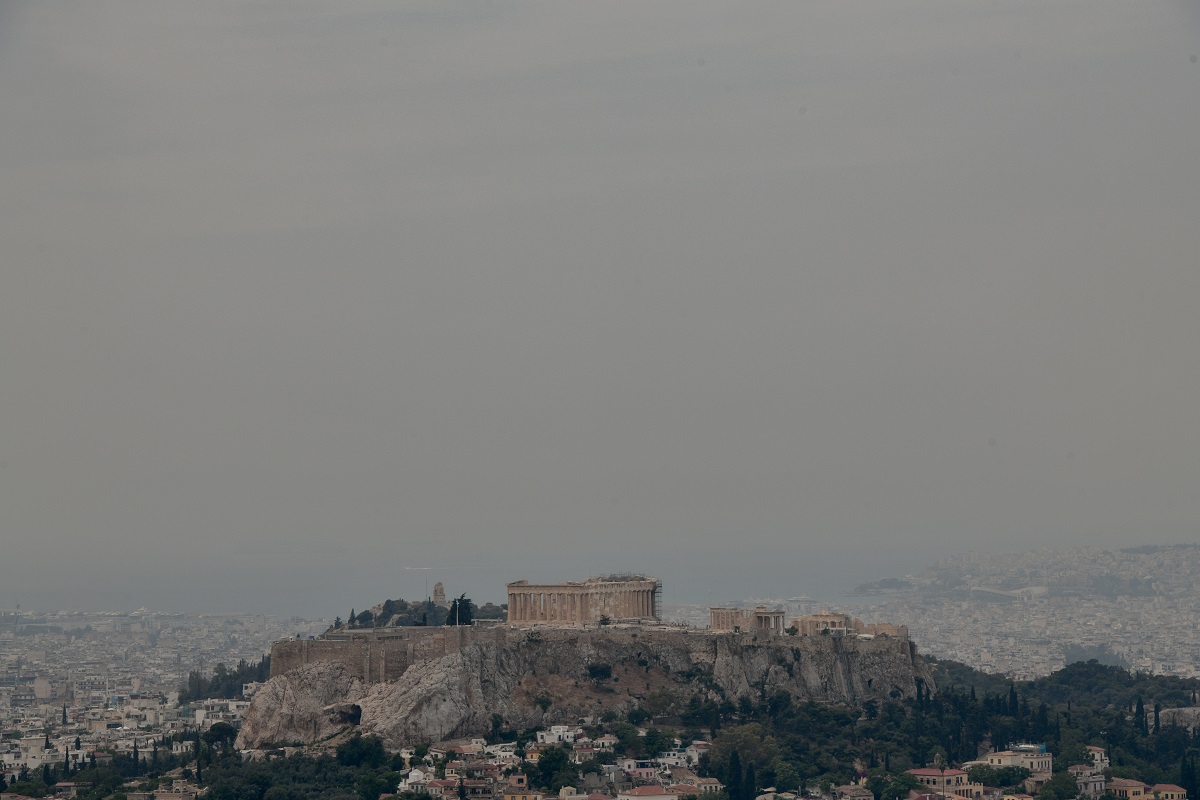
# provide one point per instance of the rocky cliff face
(542, 677)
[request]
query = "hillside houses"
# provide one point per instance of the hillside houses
(490, 772)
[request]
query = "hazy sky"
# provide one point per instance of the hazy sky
(762, 298)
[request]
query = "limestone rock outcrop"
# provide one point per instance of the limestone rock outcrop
(555, 676)
(309, 705)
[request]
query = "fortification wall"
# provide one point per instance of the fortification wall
(376, 657)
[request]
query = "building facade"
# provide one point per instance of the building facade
(947, 782)
(746, 620)
(613, 598)
(1033, 757)
(832, 623)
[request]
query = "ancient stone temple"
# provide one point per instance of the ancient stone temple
(746, 619)
(616, 598)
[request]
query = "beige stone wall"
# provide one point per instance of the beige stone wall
(376, 656)
(746, 619)
(816, 624)
(582, 602)
(844, 624)
(886, 629)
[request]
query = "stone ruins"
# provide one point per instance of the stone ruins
(614, 597)
(746, 619)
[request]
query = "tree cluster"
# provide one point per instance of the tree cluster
(224, 683)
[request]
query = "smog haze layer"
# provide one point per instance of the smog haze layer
(762, 299)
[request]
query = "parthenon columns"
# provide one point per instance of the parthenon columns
(587, 601)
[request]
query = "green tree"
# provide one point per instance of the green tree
(1061, 786)
(997, 776)
(359, 751)
(599, 672)
(461, 611)
(787, 777)
(220, 732)
(734, 776)
(29, 788)
(554, 768)
(369, 785)
(752, 742)
(899, 787)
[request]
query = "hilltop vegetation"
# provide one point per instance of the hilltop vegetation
(393, 613)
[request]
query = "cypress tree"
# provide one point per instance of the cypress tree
(733, 779)
(749, 790)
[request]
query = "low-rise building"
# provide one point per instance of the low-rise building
(1090, 782)
(654, 792)
(1127, 788)
(1033, 757)
(1168, 791)
(947, 781)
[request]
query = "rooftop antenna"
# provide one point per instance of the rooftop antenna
(426, 571)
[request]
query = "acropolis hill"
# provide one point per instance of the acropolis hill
(413, 684)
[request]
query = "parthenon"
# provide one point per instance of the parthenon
(625, 597)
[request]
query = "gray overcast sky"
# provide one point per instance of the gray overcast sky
(758, 297)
